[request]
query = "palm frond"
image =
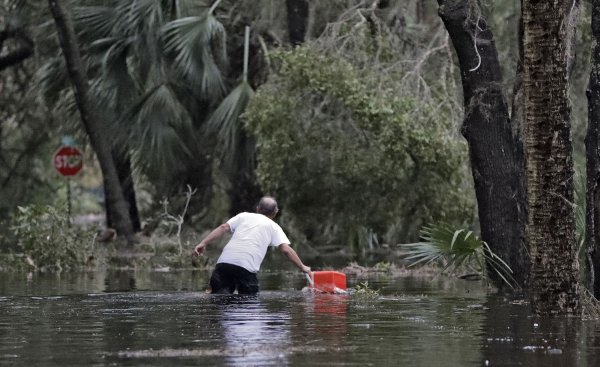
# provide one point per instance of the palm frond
(455, 248)
(422, 253)
(95, 22)
(51, 79)
(141, 15)
(161, 123)
(225, 121)
(190, 41)
(115, 69)
(184, 8)
(103, 98)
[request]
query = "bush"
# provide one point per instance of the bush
(345, 159)
(47, 240)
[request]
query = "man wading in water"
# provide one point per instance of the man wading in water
(240, 260)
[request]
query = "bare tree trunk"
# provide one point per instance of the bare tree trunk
(123, 165)
(297, 17)
(592, 145)
(550, 192)
(92, 126)
(496, 156)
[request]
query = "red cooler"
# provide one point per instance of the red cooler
(329, 281)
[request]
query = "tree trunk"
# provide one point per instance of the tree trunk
(92, 126)
(496, 156)
(123, 164)
(244, 193)
(592, 146)
(551, 216)
(245, 190)
(297, 17)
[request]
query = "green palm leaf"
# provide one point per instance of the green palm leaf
(141, 71)
(161, 122)
(225, 121)
(455, 248)
(141, 15)
(52, 79)
(95, 22)
(190, 41)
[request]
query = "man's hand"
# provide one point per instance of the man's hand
(199, 249)
(214, 234)
(306, 269)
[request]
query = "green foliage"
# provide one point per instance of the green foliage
(27, 130)
(344, 150)
(47, 241)
(225, 122)
(383, 266)
(453, 249)
(364, 291)
(156, 73)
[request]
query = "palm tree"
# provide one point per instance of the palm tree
(89, 118)
(157, 74)
(550, 174)
(158, 77)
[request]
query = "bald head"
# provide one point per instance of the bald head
(267, 206)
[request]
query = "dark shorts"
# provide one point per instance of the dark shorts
(226, 278)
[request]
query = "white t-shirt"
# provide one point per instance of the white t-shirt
(253, 233)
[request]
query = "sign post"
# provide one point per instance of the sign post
(68, 161)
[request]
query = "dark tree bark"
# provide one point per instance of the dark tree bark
(592, 146)
(244, 193)
(19, 54)
(496, 155)
(297, 17)
(550, 189)
(245, 190)
(91, 124)
(123, 164)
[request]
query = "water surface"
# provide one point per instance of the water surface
(150, 318)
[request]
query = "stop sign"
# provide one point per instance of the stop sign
(68, 160)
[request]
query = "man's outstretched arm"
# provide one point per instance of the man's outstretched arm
(213, 235)
(293, 257)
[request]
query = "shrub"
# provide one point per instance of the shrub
(345, 159)
(48, 241)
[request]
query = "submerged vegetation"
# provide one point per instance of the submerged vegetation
(364, 291)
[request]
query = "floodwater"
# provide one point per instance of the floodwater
(127, 318)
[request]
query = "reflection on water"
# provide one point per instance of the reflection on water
(513, 337)
(160, 319)
(253, 334)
